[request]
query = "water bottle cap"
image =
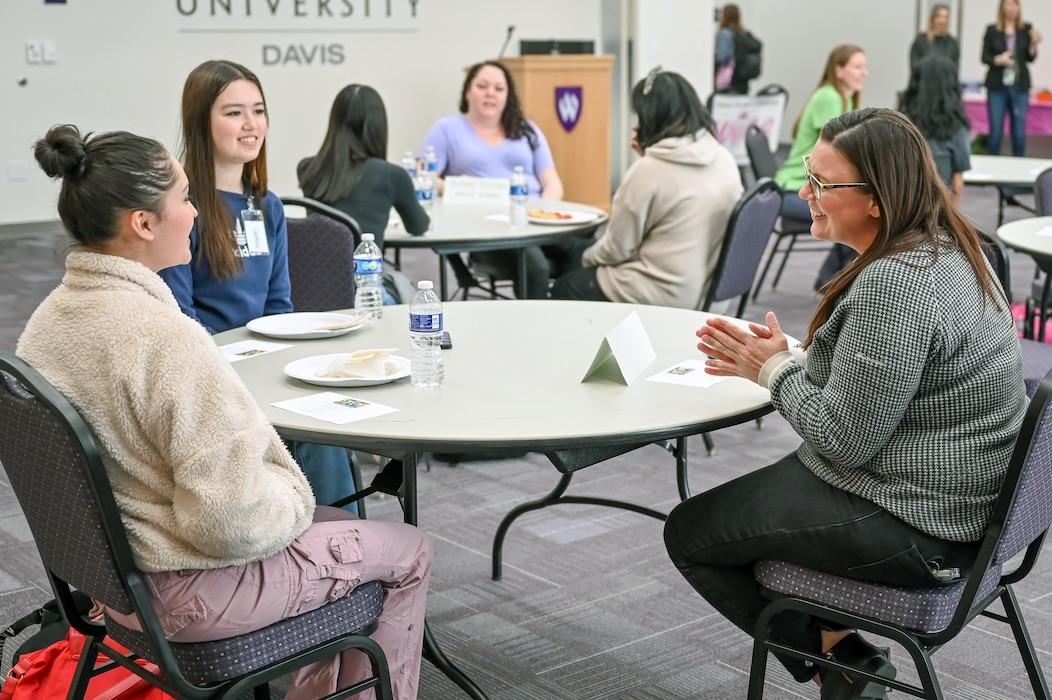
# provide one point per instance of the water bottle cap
(368, 237)
(425, 284)
(518, 169)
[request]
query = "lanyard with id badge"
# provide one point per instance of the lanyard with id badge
(252, 239)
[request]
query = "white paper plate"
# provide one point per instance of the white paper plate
(301, 326)
(576, 217)
(307, 370)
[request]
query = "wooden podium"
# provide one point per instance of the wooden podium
(582, 155)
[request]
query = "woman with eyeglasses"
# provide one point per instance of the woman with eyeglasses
(670, 213)
(839, 91)
(907, 393)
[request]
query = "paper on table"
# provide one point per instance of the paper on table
(624, 353)
(334, 408)
(499, 217)
(1046, 231)
(249, 348)
(687, 373)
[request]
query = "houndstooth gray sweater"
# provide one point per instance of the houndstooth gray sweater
(912, 393)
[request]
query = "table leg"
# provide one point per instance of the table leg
(521, 290)
(442, 277)
(432, 651)
(554, 497)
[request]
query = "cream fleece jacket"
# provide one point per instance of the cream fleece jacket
(667, 224)
(201, 478)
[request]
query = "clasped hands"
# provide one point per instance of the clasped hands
(734, 351)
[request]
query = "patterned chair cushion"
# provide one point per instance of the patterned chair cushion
(206, 663)
(917, 609)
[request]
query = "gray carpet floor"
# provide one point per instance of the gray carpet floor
(589, 605)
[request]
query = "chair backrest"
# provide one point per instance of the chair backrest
(1023, 511)
(760, 157)
(1043, 193)
(52, 461)
(321, 256)
(997, 255)
(774, 89)
(748, 230)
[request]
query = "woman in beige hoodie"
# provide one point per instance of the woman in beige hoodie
(218, 514)
(671, 210)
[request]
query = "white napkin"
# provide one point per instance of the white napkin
(363, 364)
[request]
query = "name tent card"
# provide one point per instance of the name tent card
(624, 353)
(462, 189)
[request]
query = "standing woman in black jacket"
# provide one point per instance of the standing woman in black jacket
(1008, 46)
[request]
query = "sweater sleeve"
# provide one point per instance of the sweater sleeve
(236, 492)
(886, 328)
(403, 196)
(629, 213)
(990, 45)
(279, 290)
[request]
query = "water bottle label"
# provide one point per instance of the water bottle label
(425, 195)
(368, 266)
(432, 166)
(425, 323)
(520, 190)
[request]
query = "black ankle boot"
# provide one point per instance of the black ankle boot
(855, 651)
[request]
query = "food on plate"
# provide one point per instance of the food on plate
(549, 215)
(363, 364)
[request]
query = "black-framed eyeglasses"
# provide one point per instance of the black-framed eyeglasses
(817, 186)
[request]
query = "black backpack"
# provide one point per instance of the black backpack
(747, 56)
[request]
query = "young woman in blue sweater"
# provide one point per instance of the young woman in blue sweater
(239, 243)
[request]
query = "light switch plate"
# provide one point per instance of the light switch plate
(34, 52)
(49, 54)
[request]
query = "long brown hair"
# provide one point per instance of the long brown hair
(1001, 15)
(215, 232)
(935, 9)
(731, 17)
(890, 153)
(838, 58)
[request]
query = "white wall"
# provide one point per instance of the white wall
(121, 65)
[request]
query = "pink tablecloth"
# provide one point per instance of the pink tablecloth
(1038, 117)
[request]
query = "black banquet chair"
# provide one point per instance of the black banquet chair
(53, 464)
(787, 229)
(321, 256)
(748, 230)
(1037, 356)
(924, 619)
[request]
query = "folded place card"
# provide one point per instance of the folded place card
(334, 408)
(249, 348)
(624, 353)
(462, 189)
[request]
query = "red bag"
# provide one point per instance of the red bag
(47, 674)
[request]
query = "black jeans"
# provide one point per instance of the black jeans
(578, 283)
(785, 512)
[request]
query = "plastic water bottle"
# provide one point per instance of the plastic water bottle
(368, 279)
(409, 164)
(520, 192)
(424, 185)
(426, 369)
(431, 166)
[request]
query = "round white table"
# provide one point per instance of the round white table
(512, 383)
(469, 228)
(1005, 170)
(1033, 236)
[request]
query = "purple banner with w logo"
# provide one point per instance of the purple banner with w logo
(568, 102)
